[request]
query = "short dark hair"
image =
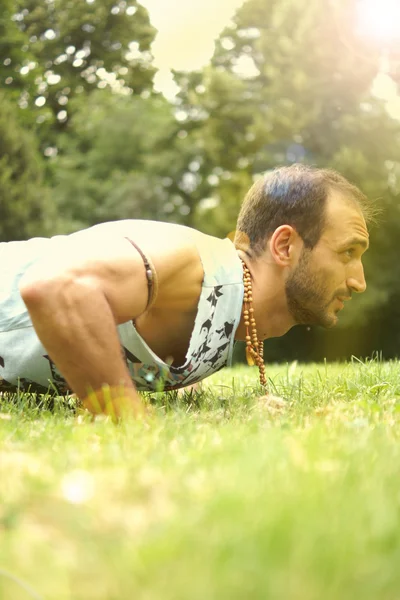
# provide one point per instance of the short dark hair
(295, 195)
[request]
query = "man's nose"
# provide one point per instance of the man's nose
(356, 280)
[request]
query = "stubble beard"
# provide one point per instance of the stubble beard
(307, 297)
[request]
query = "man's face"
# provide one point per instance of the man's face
(328, 274)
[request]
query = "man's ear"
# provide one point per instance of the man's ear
(285, 245)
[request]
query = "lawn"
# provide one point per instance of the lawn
(219, 496)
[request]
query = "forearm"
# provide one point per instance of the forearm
(77, 327)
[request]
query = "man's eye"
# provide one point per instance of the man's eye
(350, 252)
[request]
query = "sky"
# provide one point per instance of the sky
(186, 33)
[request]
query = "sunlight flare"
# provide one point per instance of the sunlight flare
(379, 19)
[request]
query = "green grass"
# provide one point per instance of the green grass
(217, 497)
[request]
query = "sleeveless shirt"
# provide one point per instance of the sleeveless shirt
(26, 366)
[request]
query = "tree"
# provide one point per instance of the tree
(24, 204)
(121, 157)
(57, 49)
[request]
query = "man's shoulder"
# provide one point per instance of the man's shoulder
(170, 246)
(143, 227)
(154, 235)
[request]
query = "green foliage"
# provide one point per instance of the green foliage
(55, 50)
(283, 86)
(121, 157)
(13, 52)
(24, 202)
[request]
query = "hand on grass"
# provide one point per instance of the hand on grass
(118, 402)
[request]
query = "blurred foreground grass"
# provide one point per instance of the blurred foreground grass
(219, 496)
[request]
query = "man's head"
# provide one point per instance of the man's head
(320, 210)
(295, 195)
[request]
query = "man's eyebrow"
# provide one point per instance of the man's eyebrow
(356, 241)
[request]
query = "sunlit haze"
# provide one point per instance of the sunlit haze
(380, 19)
(187, 30)
(186, 33)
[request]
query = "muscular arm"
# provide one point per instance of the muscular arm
(75, 306)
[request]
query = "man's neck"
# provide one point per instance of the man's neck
(271, 312)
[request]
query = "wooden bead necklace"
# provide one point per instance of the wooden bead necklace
(254, 347)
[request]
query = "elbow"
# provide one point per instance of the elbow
(36, 291)
(31, 290)
(59, 290)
